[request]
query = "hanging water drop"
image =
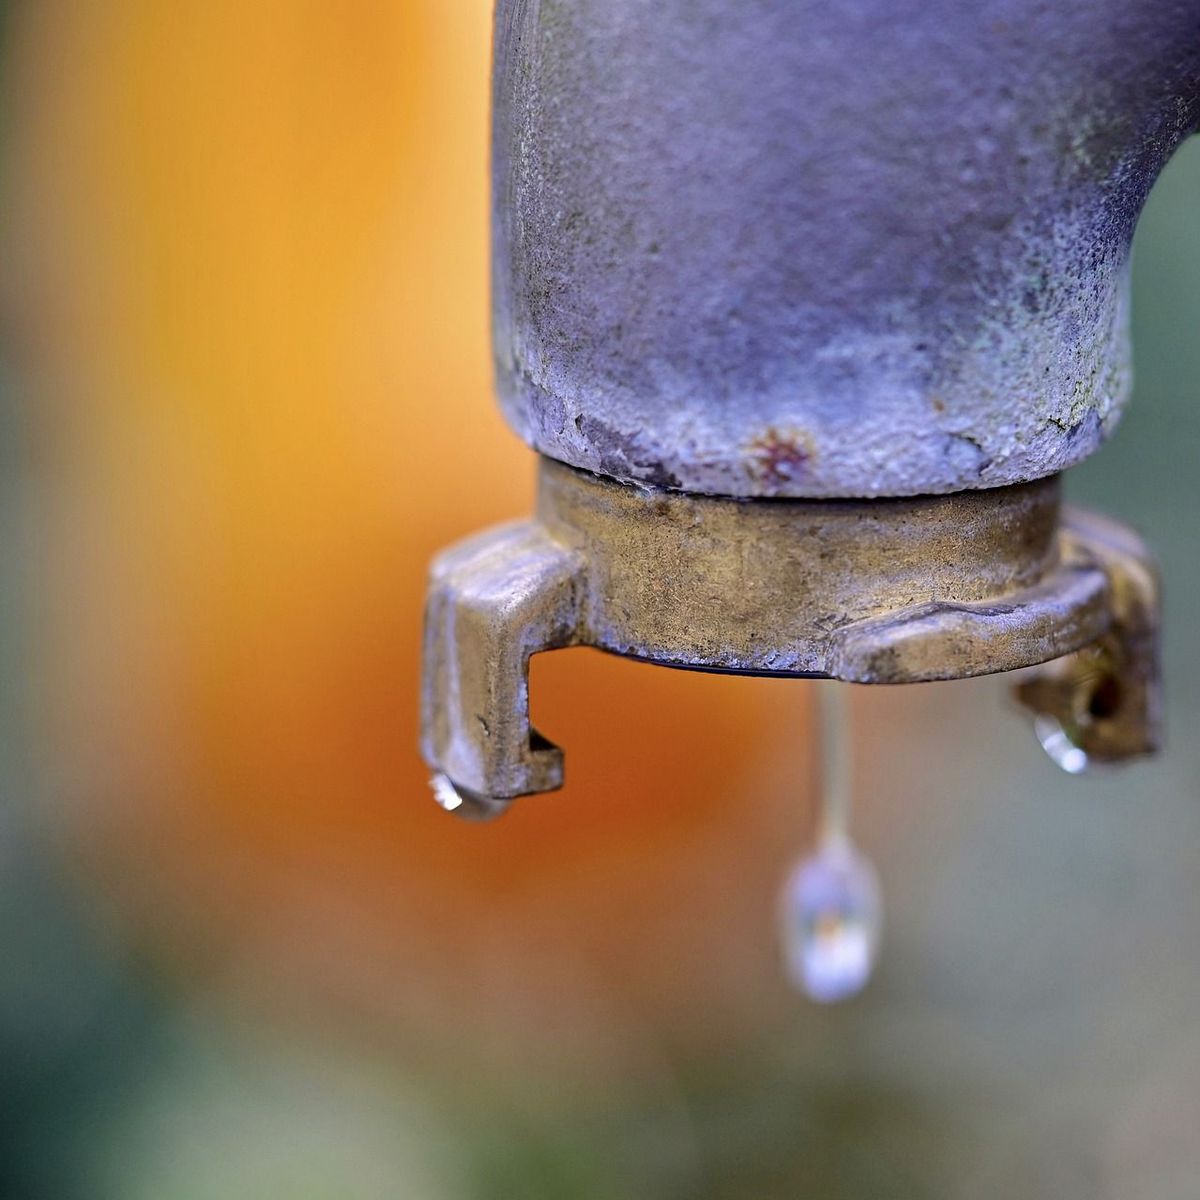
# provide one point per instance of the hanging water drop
(831, 917)
(830, 908)
(1058, 744)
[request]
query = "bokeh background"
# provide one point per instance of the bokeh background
(245, 396)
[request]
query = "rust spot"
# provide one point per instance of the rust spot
(780, 456)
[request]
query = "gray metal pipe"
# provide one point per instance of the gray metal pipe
(852, 248)
(865, 249)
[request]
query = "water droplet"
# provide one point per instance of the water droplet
(831, 916)
(1058, 745)
(462, 802)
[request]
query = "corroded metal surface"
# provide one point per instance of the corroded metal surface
(1106, 699)
(494, 600)
(787, 248)
(882, 591)
(796, 587)
(754, 257)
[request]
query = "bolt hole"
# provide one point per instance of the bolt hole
(1105, 699)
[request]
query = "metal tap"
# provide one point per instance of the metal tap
(805, 307)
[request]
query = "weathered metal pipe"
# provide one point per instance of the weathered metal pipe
(845, 248)
(766, 251)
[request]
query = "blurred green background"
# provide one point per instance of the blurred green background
(301, 995)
